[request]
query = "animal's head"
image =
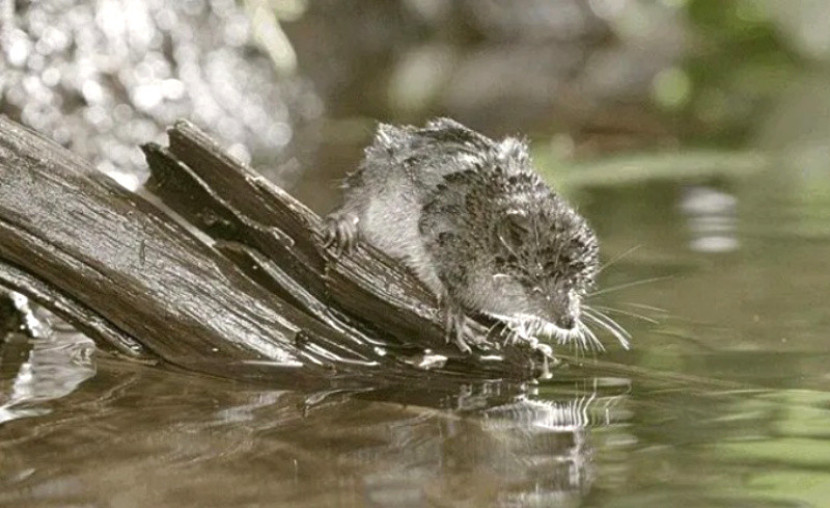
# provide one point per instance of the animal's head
(527, 257)
(544, 254)
(545, 259)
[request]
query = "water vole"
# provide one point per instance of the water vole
(473, 220)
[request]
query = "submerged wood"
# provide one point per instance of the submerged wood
(253, 294)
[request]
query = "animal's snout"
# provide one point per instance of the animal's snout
(566, 322)
(561, 308)
(566, 311)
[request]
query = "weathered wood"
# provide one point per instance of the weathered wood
(79, 232)
(241, 206)
(262, 298)
(85, 319)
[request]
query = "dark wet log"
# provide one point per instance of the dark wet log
(10, 318)
(265, 299)
(78, 232)
(64, 306)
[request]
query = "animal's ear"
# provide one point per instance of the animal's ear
(513, 150)
(513, 228)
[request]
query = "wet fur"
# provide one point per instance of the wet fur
(474, 221)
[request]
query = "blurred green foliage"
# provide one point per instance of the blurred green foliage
(740, 62)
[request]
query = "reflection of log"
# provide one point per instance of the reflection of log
(264, 299)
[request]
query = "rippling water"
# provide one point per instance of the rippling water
(723, 401)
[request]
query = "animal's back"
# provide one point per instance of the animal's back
(400, 172)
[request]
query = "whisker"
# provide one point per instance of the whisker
(578, 345)
(646, 307)
(612, 322)
(614, 333)
(622, 337)
(594, 338)
(628, 285)
(589, 334)
(624, 312)
(610, 326)
(617, 258)
(581, 343)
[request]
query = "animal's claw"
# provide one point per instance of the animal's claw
(457, 329)
(341, 233)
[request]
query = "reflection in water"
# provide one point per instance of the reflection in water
(49, 365)
(712, 219)
(503, 444)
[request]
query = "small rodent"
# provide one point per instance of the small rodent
(473, 220)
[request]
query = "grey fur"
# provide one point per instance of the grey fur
(473, 220)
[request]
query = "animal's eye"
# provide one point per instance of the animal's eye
(512, 230)
(551, 266)
(517, 220)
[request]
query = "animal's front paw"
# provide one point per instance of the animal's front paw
(458, 329)
(341, 232)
